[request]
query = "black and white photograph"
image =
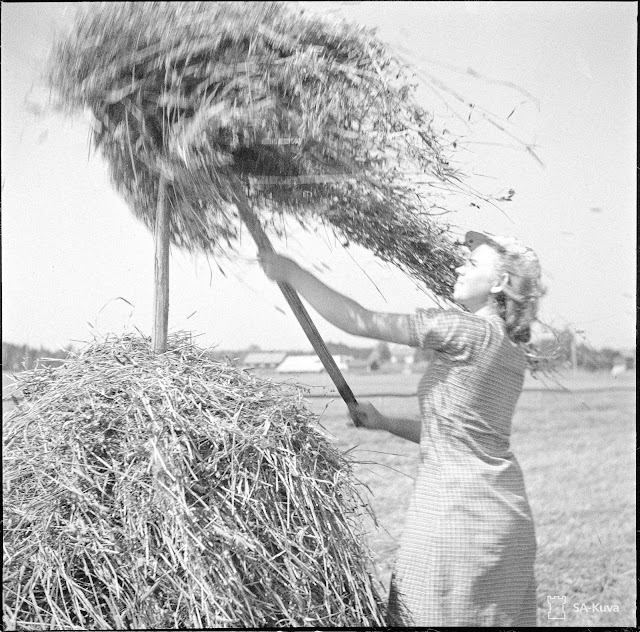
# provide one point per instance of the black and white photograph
(319, 315)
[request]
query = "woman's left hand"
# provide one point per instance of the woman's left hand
(368, 416)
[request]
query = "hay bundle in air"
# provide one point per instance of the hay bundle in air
(167, 491)
(313, 117)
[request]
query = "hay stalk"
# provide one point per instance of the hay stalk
(316, 117)
(146, 490)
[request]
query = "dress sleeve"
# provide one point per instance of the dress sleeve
(455, 333)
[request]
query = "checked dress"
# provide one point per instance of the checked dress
(466, 556)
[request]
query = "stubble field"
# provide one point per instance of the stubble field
(575, 440)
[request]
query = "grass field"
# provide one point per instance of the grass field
(575, 439)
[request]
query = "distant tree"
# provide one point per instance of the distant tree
(422, 355)
(14, 357)
(20, 357)
(589, 359)
(339, 348)
(611, 357)
(384, 352)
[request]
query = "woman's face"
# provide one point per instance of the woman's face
(477, 277)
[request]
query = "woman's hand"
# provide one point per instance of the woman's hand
(277, 267)
(368, 416)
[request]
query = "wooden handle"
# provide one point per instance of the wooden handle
(264, 245)
(161, 271)
(318, 344)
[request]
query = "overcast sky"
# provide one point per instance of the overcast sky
(560, 75)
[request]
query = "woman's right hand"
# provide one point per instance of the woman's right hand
(368, 416)
(277, 267)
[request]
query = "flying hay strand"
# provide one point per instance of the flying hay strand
(312, 117)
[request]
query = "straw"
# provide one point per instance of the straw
(315, 117)
(155, 491)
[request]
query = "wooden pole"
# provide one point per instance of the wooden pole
(161, 271)
(264, 245)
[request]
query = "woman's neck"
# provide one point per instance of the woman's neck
(488, 309)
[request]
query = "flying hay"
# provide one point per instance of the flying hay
(311, 117)
(166, 491)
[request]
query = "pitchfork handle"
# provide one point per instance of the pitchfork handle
(264, 245)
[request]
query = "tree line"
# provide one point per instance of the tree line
(572, 353)
(20, 357)
(23, 357)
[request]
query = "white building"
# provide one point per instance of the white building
(264, 359)
(308, 363)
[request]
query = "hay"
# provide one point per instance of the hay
(313, 117)
(166, 491)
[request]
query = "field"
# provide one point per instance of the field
(575, 440)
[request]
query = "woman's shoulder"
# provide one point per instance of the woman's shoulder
(453, 316)
(448, 329)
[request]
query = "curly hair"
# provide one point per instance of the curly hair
(518, 300)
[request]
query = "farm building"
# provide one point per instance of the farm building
(401, 354)
(625, 361)
(308, 363)
(301, 364)
(264, 359)
(371, 363)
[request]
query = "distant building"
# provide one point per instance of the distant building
(401, 354)
(264, 359)
(308, 363)
(301, 364)
(342, 361)
(371, 363)
(617, 369)
(626, 361)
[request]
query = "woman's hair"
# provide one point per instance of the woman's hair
(518, 301)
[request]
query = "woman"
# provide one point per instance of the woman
(466, 557)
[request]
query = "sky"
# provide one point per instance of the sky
(559, 76)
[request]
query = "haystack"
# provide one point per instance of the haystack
(312, 118)
(165, 491)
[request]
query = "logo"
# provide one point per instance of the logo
(556, 607)
(595, 607)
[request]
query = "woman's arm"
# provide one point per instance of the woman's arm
(338, 309)
(405, 427)
(371, 418)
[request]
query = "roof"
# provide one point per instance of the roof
(265, 357)
(309, 363)
(342, 361)
(301, 364)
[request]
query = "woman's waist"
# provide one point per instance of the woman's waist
(457, 488)
(468, 467)
(459, 442)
